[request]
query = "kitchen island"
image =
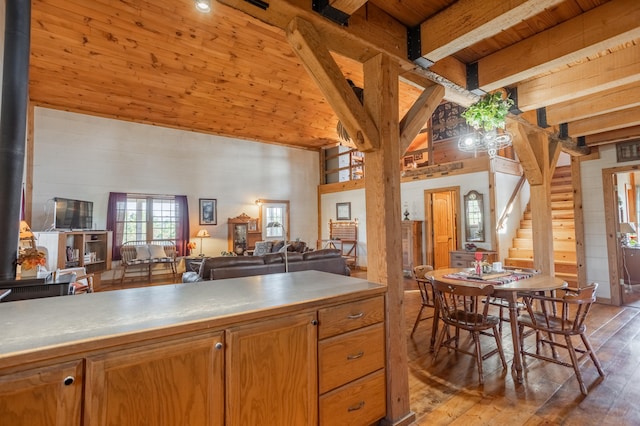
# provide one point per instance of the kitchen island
(298, 348)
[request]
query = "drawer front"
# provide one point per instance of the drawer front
(459, 264)
(362, 402)
(350, 316)
(350, 356)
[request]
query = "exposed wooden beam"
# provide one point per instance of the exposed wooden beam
(465, 23)
(540, 202)
(367, 34)
(310, 48)
(420, 112)
(347, 6)
(527, 157)
(604, 123)
(614, 23)
(569, 83)
(618, 98)
(619, 135)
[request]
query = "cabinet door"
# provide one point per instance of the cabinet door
(172, 383)
(49, 396)
(272, 373)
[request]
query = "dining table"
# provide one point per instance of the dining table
(503, 288)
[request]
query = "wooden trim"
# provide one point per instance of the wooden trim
(28, 188)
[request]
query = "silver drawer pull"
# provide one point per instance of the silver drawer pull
(356, 316)
(356, 407)
(356, 356)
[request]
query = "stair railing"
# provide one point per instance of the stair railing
(509, 207)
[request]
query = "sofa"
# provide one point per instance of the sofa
(215, 268)
(271, 246)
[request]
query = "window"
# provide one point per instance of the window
(274, 211)
(142, 217)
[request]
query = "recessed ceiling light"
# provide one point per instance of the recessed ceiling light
(203, 5)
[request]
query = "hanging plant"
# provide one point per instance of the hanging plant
(488, 113)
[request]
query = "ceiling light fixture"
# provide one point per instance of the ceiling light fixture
(487, 117)
(203, 5)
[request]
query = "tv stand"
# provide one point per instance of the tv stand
(68, 249)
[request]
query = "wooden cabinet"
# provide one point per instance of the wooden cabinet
(465, 259)
(244, 232)
(351, 363)
(271, 372)
(175, 382)
(411, 245)
(91, 249)
(46, 396)
(631, 265)
(304, 362)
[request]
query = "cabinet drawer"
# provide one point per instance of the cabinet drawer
(349, 356)
(362, 402)
(459, 264)
(350, 316)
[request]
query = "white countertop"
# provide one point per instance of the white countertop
(37, 324)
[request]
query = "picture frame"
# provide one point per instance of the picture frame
(343, 211)
(628, 151)
(252, 225)
(208, 211)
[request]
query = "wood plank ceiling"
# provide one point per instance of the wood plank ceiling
(225, 72)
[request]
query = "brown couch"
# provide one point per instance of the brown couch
(215, 268)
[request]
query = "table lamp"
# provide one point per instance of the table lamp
(285, 246)
(203, 233)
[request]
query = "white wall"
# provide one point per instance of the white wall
(597, 266)
(85, 157)
(412, 198)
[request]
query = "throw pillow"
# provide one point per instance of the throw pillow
(156, 252)
(262, 248)
(142, 252)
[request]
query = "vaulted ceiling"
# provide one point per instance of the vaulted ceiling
(232, 71)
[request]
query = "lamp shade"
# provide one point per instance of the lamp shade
(25, 231)
(203, 233)
(627, 228)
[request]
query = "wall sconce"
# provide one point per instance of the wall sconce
(259, 202)
(203, 5)
(203, 233)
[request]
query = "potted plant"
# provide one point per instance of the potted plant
(489, 112)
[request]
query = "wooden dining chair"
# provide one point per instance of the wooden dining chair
(461, 307)
(426, 293)
(563, 316)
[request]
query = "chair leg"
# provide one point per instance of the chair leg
(439, 340)
(592, 354)
(415, 325)
(522, 351)
(499, 346)
(478, 351)
(574, 362)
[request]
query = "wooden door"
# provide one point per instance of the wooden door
(173, 383)
(272, 373)
(49, 396)
(442, 212)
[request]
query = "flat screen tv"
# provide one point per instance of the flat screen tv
(73, 214)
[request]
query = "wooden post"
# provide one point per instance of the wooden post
(384, 261)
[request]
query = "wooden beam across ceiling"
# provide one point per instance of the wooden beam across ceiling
(419, 114)
(464, 23)
(586, 35)
(604, 123)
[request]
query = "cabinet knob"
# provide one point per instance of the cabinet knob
(314, 322)
(218, 345)
(68, 381)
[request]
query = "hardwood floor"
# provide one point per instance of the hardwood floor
(448, 393)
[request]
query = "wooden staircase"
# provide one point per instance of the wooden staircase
(564, 235)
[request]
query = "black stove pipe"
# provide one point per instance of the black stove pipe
(13, 123)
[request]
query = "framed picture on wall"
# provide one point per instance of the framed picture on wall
(343, 211)
(628, 151)
(208, 213)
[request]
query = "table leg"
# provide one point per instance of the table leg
(512, 298)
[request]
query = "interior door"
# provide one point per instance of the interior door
(442, 207)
